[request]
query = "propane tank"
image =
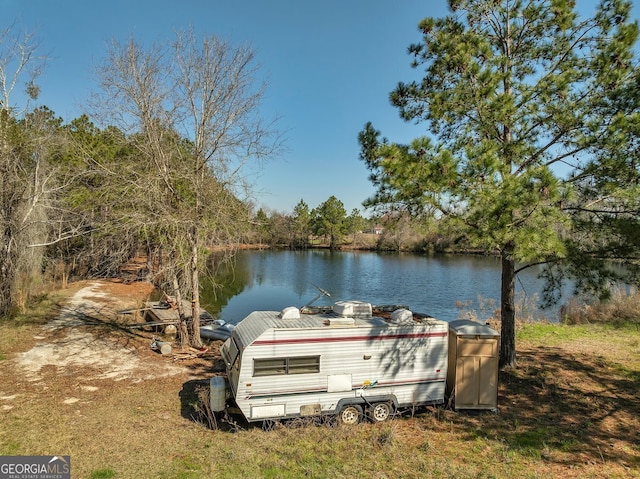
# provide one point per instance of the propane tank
(218, 397)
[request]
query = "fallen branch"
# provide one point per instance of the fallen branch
(192, 353)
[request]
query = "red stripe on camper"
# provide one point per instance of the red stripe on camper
(337, 339)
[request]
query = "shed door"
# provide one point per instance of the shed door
(466, 381)
(488, 385)
(476, 372)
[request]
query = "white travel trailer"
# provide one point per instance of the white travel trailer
(346, 362)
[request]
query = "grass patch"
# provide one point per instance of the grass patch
(559, 333)
(10, 448)
(554, 333)
(187, 467)
(41, 309)
(102, 474)
(570, 410)
(534, 441)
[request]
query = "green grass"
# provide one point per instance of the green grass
(10, 448)
(558, 333)
(103, 474)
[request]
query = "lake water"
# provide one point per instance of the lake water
(447, 287)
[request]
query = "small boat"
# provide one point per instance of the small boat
(217, 329)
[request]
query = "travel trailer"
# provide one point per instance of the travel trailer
(349, 361)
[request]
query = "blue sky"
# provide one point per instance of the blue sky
(329, 66)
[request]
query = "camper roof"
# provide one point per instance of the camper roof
(251, 327)
(254, 325)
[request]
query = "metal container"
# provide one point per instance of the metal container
(218, 399)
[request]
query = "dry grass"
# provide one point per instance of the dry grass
(488, 309)
(621, 307)
(570, 410)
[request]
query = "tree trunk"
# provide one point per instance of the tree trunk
(7, 275)
(7, 198)
(183, 331)
(149, 263)
(196, 341)
(508, 310)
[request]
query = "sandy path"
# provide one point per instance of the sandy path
(72, 340)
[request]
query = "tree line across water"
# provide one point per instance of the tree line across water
(512, 94)
(330, 226)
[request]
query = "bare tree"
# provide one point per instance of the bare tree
(25, 180)
(191, 111)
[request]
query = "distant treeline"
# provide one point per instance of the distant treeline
(330, 226)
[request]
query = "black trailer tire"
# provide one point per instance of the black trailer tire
(350, 414)
(380, 412)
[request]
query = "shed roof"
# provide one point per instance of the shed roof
(466, 327)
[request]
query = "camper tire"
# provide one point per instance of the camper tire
(350, 414)
(380, 412)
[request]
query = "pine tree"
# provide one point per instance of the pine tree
(513, 92)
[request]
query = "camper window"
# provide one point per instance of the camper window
(268, 367)
(305, 364)
(279, 366)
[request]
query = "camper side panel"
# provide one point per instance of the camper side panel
(292, 372)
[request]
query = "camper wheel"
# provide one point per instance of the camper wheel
(380, 411)
(350, 414)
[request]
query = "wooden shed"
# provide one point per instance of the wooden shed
(472, 376)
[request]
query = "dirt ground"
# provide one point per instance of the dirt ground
(576, 404)
(88, 342)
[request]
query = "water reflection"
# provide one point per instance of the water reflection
(442, 286)
(224, 279)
